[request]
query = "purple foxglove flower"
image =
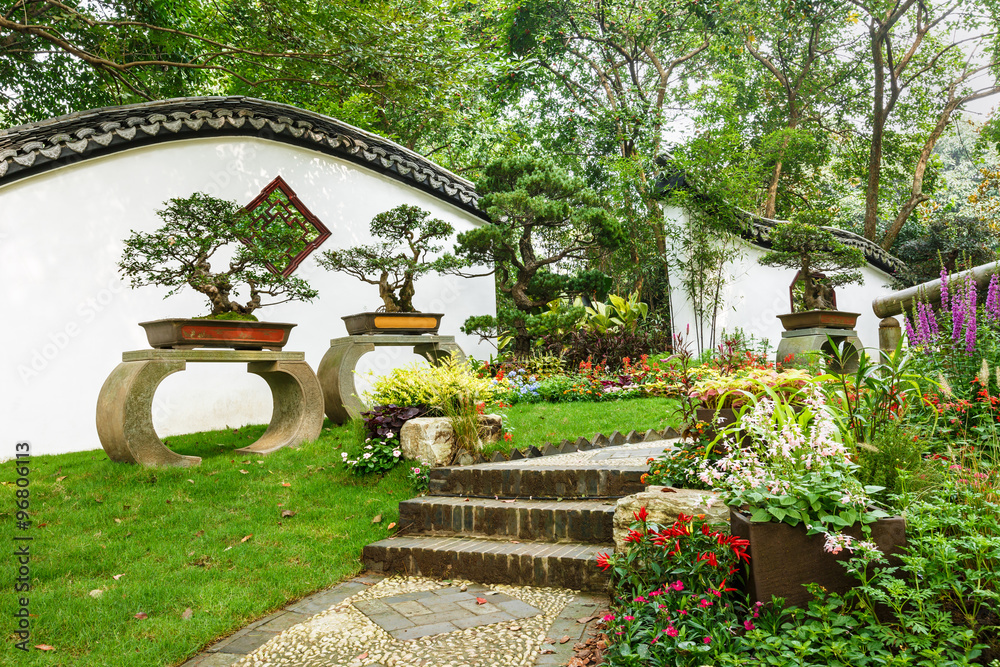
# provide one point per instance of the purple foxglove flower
(911, 335)
(993, 299)
(944, 290)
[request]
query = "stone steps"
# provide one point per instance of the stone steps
(581, 521)
(536, 482)
(564, 565)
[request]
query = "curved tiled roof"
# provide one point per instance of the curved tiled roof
(29, 149)
(758, 231)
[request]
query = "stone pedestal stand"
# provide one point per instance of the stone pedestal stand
(336, 370)
(802, 341)
(125, 404)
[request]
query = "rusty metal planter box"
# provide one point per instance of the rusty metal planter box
(186, 334)
(392, 323)
(783, 558)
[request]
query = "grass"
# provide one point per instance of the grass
(212, 538)
(538, 423)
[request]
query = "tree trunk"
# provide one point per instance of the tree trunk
(388, 296)
(878, 130)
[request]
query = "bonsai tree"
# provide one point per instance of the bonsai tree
(541, 216)
(179, 254)
(394, 264)
(812, 250)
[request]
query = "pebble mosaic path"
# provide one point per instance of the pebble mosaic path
(406, 621)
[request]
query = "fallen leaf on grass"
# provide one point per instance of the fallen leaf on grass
(117, 520)
(187, 614)
(287, 513)
(58, 479)
(247, 537)
(118, 576)
(391, 526)
(141, 615)
(45, 647)
(191, 481)
(244, 472)
(41, 525)
(284, 483)
(480, 600)
(199, 533)
(377, 519)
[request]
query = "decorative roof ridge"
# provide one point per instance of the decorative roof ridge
(47, 144)
(759, 230)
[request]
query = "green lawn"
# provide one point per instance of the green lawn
(210, 538)
(538, 423)
(213, 538)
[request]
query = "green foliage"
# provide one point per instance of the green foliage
(950, 239)
(196, 227)
(377, 455)
(437, 386)
(812, 249)
(395, 264)
(541, 216)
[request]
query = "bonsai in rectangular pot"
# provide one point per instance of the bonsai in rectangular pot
(394, 264)
(178, 255)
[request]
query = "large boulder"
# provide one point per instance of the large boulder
(432, 439)
(663, 504)
(428, 439)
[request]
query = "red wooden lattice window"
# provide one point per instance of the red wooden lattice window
(277, 204)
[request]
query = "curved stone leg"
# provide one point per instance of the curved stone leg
(297, 415)
(125, 415)
(435, 352)
(336, 376)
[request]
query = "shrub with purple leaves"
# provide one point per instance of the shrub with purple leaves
(385, 421)
(607, 349)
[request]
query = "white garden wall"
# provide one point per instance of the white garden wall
(754, 295)
(69, 316)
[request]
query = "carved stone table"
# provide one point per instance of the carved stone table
(336, 370)
(125, 404)
(804, 341)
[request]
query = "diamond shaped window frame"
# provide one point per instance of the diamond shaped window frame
(324, 233)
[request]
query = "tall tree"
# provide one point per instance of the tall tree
(935, 58)
(605, 73)
(396, 67)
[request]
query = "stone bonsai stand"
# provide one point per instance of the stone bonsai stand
(125, 404)
(336, 370)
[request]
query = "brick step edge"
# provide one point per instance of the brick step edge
(589, 522)
(581, 444)
(490, 562)
(536, 483)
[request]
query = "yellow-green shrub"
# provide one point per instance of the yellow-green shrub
(433, 386)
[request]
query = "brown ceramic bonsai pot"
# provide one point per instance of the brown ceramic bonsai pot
(827, 319)
(186, 334)
(392, 323)
(783, 558)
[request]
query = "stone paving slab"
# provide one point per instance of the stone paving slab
(518, 626)
(630, 455)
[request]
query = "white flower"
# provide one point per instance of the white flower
(343, 455)
(368, 455)
(368, 446)
(396, 453)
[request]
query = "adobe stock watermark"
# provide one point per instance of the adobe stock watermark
(21, 549)
(50, 347)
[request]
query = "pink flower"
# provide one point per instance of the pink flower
(629, 618)
(748, 624)
(608, 618)
(683, 612)
(416, 471)
(639, 598)
(677, 585)
(671, 631)
(705, 603)
(707, 640)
